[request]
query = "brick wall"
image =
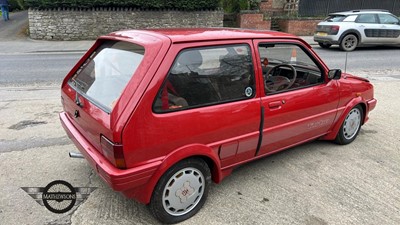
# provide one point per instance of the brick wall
(254, 21)
(266, 5)
(301, 27)
(87, 24)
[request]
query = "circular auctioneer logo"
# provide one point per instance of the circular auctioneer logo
(59, 196)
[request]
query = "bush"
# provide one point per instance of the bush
(140, 4)
(17, 4)
(234, 6)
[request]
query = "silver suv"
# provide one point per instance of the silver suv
(358, 27)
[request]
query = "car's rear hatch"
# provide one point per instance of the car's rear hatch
(330, 25)
(96, 91)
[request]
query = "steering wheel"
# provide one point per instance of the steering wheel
(279, 83)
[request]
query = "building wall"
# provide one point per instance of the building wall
(87, 24)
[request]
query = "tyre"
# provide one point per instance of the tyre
(351, 126)
(349, 43)
(181, 191)
(324, 45)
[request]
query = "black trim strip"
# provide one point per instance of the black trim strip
(260, 138)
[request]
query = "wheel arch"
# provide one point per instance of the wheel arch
(354, 32)
(143, 194)
(336, 127)
(364, 109)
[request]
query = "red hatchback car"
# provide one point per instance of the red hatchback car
(158, 114)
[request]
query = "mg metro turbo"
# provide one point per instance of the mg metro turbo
(159, 114)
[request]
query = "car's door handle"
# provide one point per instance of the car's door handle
(275, 105)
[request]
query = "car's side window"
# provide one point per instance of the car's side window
(287, 67)
(388, 19)
(366, 18)
(207, 76)
(350, 18)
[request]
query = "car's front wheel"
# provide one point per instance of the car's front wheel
(351, 126)
(324, 45)
(349, 43)
(181, 191)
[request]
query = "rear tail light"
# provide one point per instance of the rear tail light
(113, 152)
(334, 29)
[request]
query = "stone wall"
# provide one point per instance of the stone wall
(87, 24)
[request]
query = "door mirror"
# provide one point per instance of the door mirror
(335, 74)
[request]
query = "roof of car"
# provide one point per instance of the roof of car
(205, 34)
(360, 11)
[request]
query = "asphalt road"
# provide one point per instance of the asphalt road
(15, 28)
(44, 69)
(367, 61)
(50, 68)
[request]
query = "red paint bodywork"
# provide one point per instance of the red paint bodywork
(225, 135)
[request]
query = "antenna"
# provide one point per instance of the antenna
(345, 63)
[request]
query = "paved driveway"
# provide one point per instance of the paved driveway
(15, 28)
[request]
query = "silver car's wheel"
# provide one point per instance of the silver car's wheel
(349, 42)
(181, 191)
(351, 126)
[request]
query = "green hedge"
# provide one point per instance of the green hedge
(234, 6)
(17, 4)
(140, 4)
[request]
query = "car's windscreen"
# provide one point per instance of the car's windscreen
(335, 18)
(103, 76)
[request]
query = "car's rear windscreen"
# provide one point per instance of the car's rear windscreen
(104, 75)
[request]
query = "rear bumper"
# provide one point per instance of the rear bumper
(117, 179)
(330, 39)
